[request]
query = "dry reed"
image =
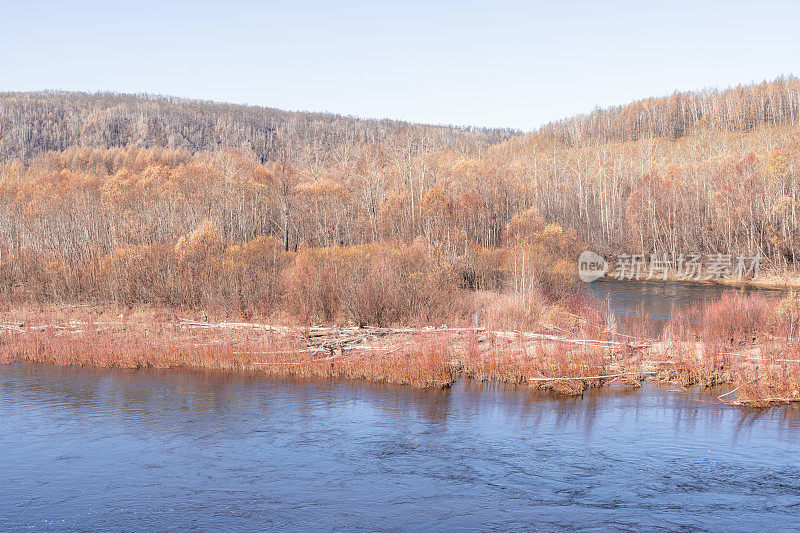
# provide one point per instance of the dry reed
(748, 343)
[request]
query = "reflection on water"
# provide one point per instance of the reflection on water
(83, 449)
(658, 300)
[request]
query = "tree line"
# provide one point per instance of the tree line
(82, 202)
(742, 108)
(35, 122)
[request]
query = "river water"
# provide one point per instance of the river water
(657, 300)
(84, 449)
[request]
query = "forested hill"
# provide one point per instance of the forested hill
(714, 172)
(742, 108)
(36, 122)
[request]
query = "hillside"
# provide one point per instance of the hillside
(36, 122)
(741, 108)
(141, 199)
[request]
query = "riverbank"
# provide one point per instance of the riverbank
(421, 356)
(760, 369)
(766, 280)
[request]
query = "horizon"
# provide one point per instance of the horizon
(512, 66)
(156, 96)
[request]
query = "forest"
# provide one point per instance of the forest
(139, 199)
(446, 249)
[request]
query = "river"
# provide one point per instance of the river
(85, 449)
(657, 300)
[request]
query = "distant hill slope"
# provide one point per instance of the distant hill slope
(713, 172)
(741, 108)
(35, 122)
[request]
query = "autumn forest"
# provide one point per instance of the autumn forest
(138, 199)
(143, 231)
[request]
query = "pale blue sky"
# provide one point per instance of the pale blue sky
(512, 64)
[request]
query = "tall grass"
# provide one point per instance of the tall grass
(419, 356)
(737, 318)
(747, 342)
(419, 361)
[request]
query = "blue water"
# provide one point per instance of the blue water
(657, 300)
(133, 450)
